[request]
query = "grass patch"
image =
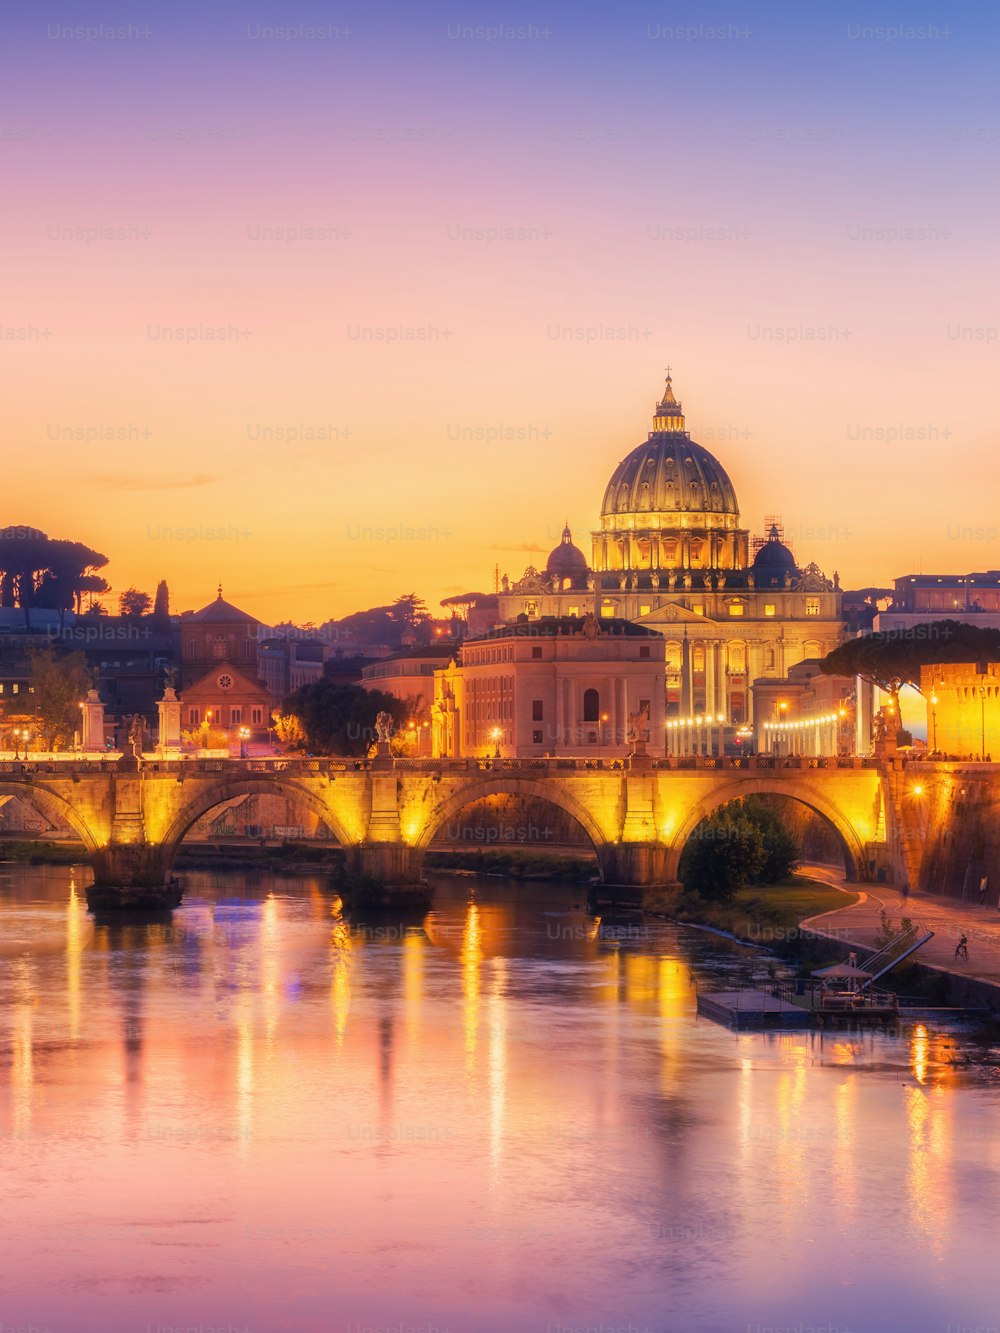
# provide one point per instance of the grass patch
(766, 914)
(40, 853)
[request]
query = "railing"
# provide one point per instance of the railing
(811, 994)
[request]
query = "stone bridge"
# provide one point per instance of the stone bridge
(132, 815)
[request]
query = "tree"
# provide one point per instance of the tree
(340, 719)
(161, 603)
(781, 853)
(893, 658)
(72, 571)
(24, 554)
(409, 612)
(723, 855)
(288, 730)
(58, 682)
(744, 842)
(133, 603)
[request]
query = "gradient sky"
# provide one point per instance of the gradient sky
(675, 195)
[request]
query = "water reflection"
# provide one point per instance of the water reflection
(506, 1092)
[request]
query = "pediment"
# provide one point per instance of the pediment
(672, 614)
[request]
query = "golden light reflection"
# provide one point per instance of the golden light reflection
(497, 1061)
(340, 983)
(929, 1167)
(674, 993)
(74, 949)
(472, 955)
(271, 967)
(22, 1069)
(414, 943)
(744, 1102)
(918, 1053)
(790, 1174)
(843, 1156)
(244, 1071)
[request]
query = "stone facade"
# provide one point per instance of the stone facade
(566, 686)
(963, 708)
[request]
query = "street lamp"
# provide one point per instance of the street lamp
(19, 736)
(496, 734)
(934, 700)
(244, 737)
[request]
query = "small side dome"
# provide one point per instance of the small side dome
(566, 561)
(774, 562)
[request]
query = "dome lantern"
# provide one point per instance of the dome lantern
(668, 418)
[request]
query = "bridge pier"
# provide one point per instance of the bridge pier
(132, 875)
(389, 874)
(629, 868)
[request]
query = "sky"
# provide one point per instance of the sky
(333, 303)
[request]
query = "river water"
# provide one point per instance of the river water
(258, 1117)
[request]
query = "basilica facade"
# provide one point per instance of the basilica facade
(672, 555)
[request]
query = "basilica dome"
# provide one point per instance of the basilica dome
(566, 561)
(774, 563)
(666, 476)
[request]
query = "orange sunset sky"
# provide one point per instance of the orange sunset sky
(460, 268)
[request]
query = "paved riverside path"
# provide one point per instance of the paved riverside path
(947, 917)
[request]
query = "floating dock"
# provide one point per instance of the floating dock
(752, 1009)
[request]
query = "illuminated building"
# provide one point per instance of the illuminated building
(805, 712)
(566, 685)
(963, 708)
(219, 684)
(671, 555)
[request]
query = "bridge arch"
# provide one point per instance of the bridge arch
(206, 797)
(510, 785)
(57, 810)
(851, 846)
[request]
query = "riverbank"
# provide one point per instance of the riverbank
(763, 914)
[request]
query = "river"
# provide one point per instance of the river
(256, 1116)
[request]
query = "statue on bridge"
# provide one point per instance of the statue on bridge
(136, 724)
(383, 728)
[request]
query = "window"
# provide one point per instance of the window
(607, 609)
(192, 650)
(220, 648)
(531, 608)
(536, 651)
(644, 608)
(536, 737)
(812, 606)
(735, 608)
(769, 608)
(194, 716)
(537, 710)
(235, 716)
(698, 609)
(644, 650)
(591, 706)
(257, 717)
(573, 611)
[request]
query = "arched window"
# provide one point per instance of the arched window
(591, 706)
